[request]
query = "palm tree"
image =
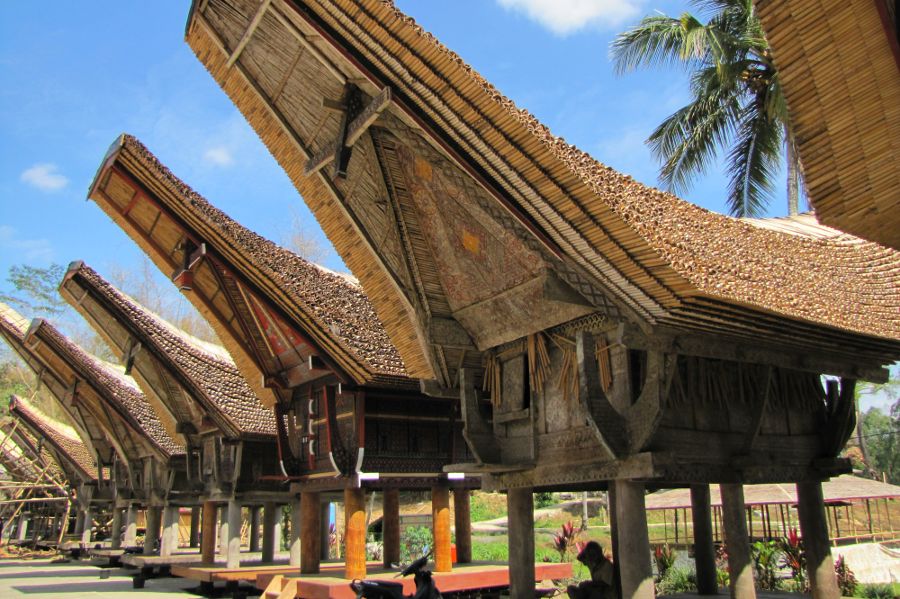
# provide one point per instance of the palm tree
(737, 102)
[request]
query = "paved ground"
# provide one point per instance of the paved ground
(81, 580)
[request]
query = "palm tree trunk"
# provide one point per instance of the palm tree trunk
(793, 173)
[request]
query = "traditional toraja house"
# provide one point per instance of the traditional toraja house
(140, 464)
(624, 335)
(307, 340)
(72, 469)
(839, 67)
(202, 401)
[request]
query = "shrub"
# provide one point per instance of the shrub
(875, 591)
(564, 540)
(765, 563)
(676, 580)
(845, 578)
(543, 499)
(415, 543)
(665, 557)
(794, 558)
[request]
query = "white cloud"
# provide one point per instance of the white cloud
(219, 156)
(563, 17)
(45, 177)
(33, 250)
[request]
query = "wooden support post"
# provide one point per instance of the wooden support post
(296, 547)
(79, 523)
(232, 535)
(310, 533)
(254, 529)
(391, 527)
(115, 528)
(614, 536)
(151, 536)
(354, 533)
(271, 515)
(676, 525)
(169, 531)
(704, 549)
(440, 527)
(819, 565)
(223, 532)
(634, 542)
(194, 538)
(520, 513)
(129, 539)
(325, 530)
(462, 516)
(737, 542)
(208, 536)
(22, 527)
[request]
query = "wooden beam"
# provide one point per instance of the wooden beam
(245, 39)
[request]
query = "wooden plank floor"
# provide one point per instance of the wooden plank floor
(327, 585)
(249, 573)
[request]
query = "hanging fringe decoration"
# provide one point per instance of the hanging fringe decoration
(538, 361)
(603, 361)
(491, 382)
(568, 372)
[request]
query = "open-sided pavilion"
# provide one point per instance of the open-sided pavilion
(622, 335)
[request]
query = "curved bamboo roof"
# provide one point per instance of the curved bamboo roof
(663, 261)
(204, 372)
(22, 456)
(66, 446)
(839, 66)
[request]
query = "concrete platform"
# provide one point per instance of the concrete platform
(466, 577)
(80, 580)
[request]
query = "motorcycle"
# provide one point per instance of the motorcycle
(386, 589)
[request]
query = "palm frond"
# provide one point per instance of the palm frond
(657, 40)
(753, 163)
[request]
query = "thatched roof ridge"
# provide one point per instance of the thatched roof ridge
(118, 388)
(65, 442)
(335, 306)
(672, 262)
(207, 366)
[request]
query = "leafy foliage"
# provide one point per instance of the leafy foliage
(487, 506)
(677, 580)
(665, 557)
(543, 499)
(766, 564)
(35, 289)
(881, 435)
(564, 540)
(794, 558)
(737, 102)
(415, 543)
(845, 578)
(875, 591)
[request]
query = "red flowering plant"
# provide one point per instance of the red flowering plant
(794, 558)
(564, 541)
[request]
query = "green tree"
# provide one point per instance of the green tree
(881, 434)
(35, 289)
(737, 102)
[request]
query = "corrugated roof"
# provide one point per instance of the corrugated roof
(842, 488)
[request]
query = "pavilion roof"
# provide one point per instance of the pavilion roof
(109, 380)
(846, 487)
(839, 66)
(206, 369)
(65, 442)
(668, 261)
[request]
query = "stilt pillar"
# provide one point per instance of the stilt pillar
(633, 541)
(296, 529)
(151, 536)
(115, 528)
(737, 542)
(325, 530)
(208, 534)
(813, 526)
(87, 528)
(194, 537)
(169, 531)
(354, 533)
(231, 535)
(271, 514)
(391, 527)
(129, 539)
(79, 523)
(440, 522)
(310, 533)
(22, 527)
(254, 529)
(520, 510)
(462, 516)
(704, 549)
